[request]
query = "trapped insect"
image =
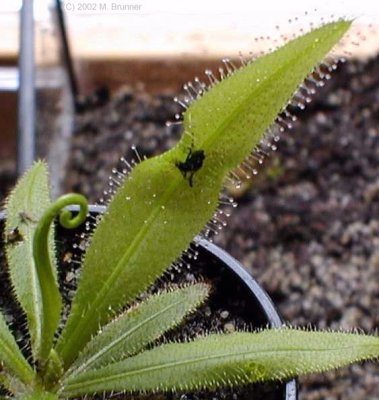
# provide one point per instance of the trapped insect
(14, 236)
(192, 164)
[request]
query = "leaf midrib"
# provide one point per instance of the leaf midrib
(212, 137)
(200, 359)
(114, 343)
(35, 287)
(101, 295)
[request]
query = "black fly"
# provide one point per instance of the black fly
(14, 236)
(191, 164)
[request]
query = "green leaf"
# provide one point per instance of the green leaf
(50, 295)
(143, 324)
(227, 360)
(38, 395)
(158, 210)
(227, 121)
(11, 383)
(24, 208)
(11, 358)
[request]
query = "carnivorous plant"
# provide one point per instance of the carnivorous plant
(108, 340)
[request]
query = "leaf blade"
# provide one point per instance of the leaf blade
(142, 325)
(25, 206)
(234, 359)
(246, 103)
(11, 357)
(38, 395)
(151, 218)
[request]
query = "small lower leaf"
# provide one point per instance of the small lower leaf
(227, 360)
(11, 383)
(11, 358)
(24, 208)
(38, 396)
(135, 329)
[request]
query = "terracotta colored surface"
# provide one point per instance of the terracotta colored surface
(8, 124)
(157, 75)
(8, 116)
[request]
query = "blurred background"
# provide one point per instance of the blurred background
(83, 81)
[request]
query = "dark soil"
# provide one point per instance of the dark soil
(307, 227)
(7, 178)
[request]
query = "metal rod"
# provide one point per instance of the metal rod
(66, 51)
(26, 146)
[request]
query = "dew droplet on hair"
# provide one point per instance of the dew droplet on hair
(201, 86)
(222, 73)
(129, 167)
(212, 79)
(180, 102)
(173, 123)
(136, 152)
(242, 59)
(190, 97)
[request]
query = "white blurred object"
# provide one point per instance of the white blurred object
(168, 28)
(206, 29)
